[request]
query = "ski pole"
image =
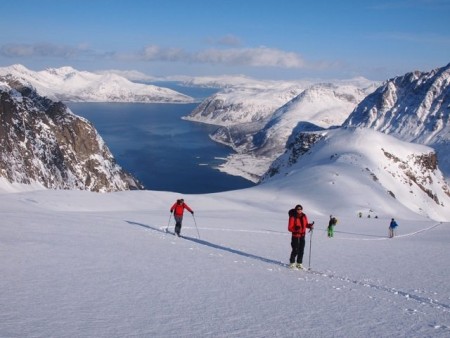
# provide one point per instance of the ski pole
(310, 246)
(195, 225)
(170, 217)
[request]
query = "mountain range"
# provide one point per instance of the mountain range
(412, 107)
(309, 135)
(257, 121)
(69, 84)
(332, 137)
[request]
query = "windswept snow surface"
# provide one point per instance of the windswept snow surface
(82, 264)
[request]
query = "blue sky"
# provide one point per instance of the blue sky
(267, 39)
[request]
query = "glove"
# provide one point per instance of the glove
(171, 211)
(192, 212)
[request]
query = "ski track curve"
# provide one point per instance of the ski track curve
(387, 238)
(271, 232)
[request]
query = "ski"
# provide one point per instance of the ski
(295, 268)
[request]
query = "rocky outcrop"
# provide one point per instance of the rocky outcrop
(43, 142)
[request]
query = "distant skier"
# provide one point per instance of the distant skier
(392, 227)
(333, 221)
(178, 210)
(298, 223)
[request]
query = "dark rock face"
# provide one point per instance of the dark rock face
(42, 141)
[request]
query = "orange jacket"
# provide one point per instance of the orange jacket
(298, 225)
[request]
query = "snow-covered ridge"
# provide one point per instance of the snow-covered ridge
(242, 81)
(359, 164)
(238, 105)
(69, 84)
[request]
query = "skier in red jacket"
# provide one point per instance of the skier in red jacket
(178, 209)
(298, 223)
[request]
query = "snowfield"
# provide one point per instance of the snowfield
(82, 264)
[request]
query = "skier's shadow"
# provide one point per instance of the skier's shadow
(214, 246)
(147, 227)
(234, 251)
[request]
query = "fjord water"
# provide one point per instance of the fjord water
(161, 150)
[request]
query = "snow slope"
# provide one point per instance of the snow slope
(81, 264)
(364, 170)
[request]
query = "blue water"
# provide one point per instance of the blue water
(155, 145)
(198, 93)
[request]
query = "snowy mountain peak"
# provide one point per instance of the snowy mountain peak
(414, 108)
(19, 68)
(63, 71)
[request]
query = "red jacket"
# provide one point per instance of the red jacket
(179, 208)
(298, 225)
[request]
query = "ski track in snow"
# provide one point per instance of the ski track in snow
(332, 276)
(408, 295)
(271, 232)
(387, 238)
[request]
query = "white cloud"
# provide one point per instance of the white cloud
(156, 53)
(255, 57)
(252, 57)
(42, 49)
(13, 50)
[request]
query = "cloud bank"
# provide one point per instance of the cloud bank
(235, 56)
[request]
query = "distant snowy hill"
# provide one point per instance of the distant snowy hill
(356, 165)
(244, 104)
(259, 135)
(414, 107)
(68, 84)
(42, 143)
